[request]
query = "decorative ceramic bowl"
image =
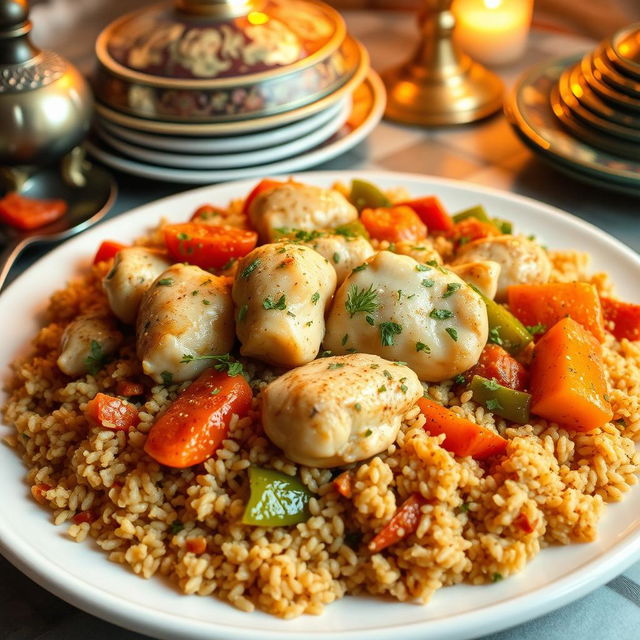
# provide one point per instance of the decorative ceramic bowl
(220, 60)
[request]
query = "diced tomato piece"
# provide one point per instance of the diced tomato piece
(29, 213)
(196, 545)
(463, 437)
(624, 316)
(129, 389)
(38, 491)
(262, 187)
(393, 224)
(404, 522)
(107, 250)
(109, 412)
(524, 524)
(471, 229)
(84, 516)
(344, 484)
(431, 212)
(197, 421)
(207, 214)
(496, 364)
(207, 246)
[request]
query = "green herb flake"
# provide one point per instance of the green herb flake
(388, 331)
(404, 388)
(490, 385)
(361, 300)
(206, 302)
(216, 391)
(165, 282)
(494, 335)
(362, 267)
(535, 329)
(184, 236)
(453, 333)
(242, 312)
(432, 263)
(357, 406)
(249, 269)
(96, 358)
(460, 379)
(422, 267)
(493, 405)
(370, 320)
(441, 314)
(421, 346)
(386, 374)
(315, 297)
(336, 258)
(382, 388)
(374, 366)
(279, 305)
(428, 283)
(228, 264)
(496, 577)
(167, 378)
(176, 527)
(336, 365)
(223, 362)
(464, 507)
(325, 354)
(25, 436)
(345, 339)
(452, 287)
(195, 292)
(367, 433)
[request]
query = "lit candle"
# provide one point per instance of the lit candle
(493, 32)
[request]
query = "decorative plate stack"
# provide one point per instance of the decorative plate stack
(584, 115)
(200, 91)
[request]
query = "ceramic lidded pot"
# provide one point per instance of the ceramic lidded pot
(45, 103)
(221, 60)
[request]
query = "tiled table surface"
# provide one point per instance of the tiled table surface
(487, 153)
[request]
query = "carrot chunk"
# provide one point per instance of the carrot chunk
(546, 304)
(431, 212)
(404, 522)
(496, 364)
(112, 413)
(393, 224)
(129, 389)
(463, 437)
(471, 229)
(344, 484)
(197, 421)
(623, 317)
(567, 378)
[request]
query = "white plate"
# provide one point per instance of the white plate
(339, 143)
(228, 144)
(229, 160)
(82, 575)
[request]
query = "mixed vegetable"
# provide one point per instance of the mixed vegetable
(362, 302)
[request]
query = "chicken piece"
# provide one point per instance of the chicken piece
(338, 410)
(86, 343)
(134, 269)
(402, 310)
(297, 206)
(521, 261)
(344, 254)
(483, 275)
(280, 292)
(421, 251)
(186, 312)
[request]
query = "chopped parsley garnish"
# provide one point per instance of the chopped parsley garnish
(421, 267)
(491, 385)
(325, 354)
(280, 305)
(165, 282)
(460, 379)
(387, 374)
(387, 332)
(175, 527)
(96, 359)
(345, 339)
(427, 283)
(216, 391)
(195, 292)
(224, 362)
(403, 388)
(228, 264)
(432, 263)
(496, 577)
(535, 329)
(464, 507)
(361, 300)
(441, 314)
(167, 377)
(421, 346)
(370, 320)
(315, 297)
(336, 365)
(382, 388)
(493, 405)
(494, 335)
(336, 258)
(206, 302)
(357, 406)
(242, 312)
(362, 267)
(249, 269)
(367, 433)
(462, 240)
(452, 287)
(453, 333)
(184, 236)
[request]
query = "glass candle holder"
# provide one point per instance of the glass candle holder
(493, 32)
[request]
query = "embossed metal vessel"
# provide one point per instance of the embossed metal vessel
(45, 104)
(222, 60)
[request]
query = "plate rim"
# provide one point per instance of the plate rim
(577, 582)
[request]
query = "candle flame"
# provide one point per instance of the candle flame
(492, 4)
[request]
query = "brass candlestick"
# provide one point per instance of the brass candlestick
(440, 85)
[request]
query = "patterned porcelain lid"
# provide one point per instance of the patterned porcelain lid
(217, 43)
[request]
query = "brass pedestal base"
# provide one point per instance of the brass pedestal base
(440, 85)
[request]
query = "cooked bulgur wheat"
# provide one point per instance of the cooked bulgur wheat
(483, 522)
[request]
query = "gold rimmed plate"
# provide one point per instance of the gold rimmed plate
(592, 101)
(567, 90)
(591, 136)
(624, 51)
(606, 71)
(617, 98)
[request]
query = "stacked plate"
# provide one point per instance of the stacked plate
(584, 114)
(201, 91)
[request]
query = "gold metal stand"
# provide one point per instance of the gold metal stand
(440, 85)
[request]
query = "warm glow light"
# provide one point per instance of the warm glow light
(257, 17)
(492, 4)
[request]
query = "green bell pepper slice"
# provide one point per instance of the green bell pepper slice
(508, 403)
(275, 500)
(352, 229)
(365, 195)
(478, 212)
(505, 226)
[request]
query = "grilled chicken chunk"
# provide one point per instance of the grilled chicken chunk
(483, 275)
